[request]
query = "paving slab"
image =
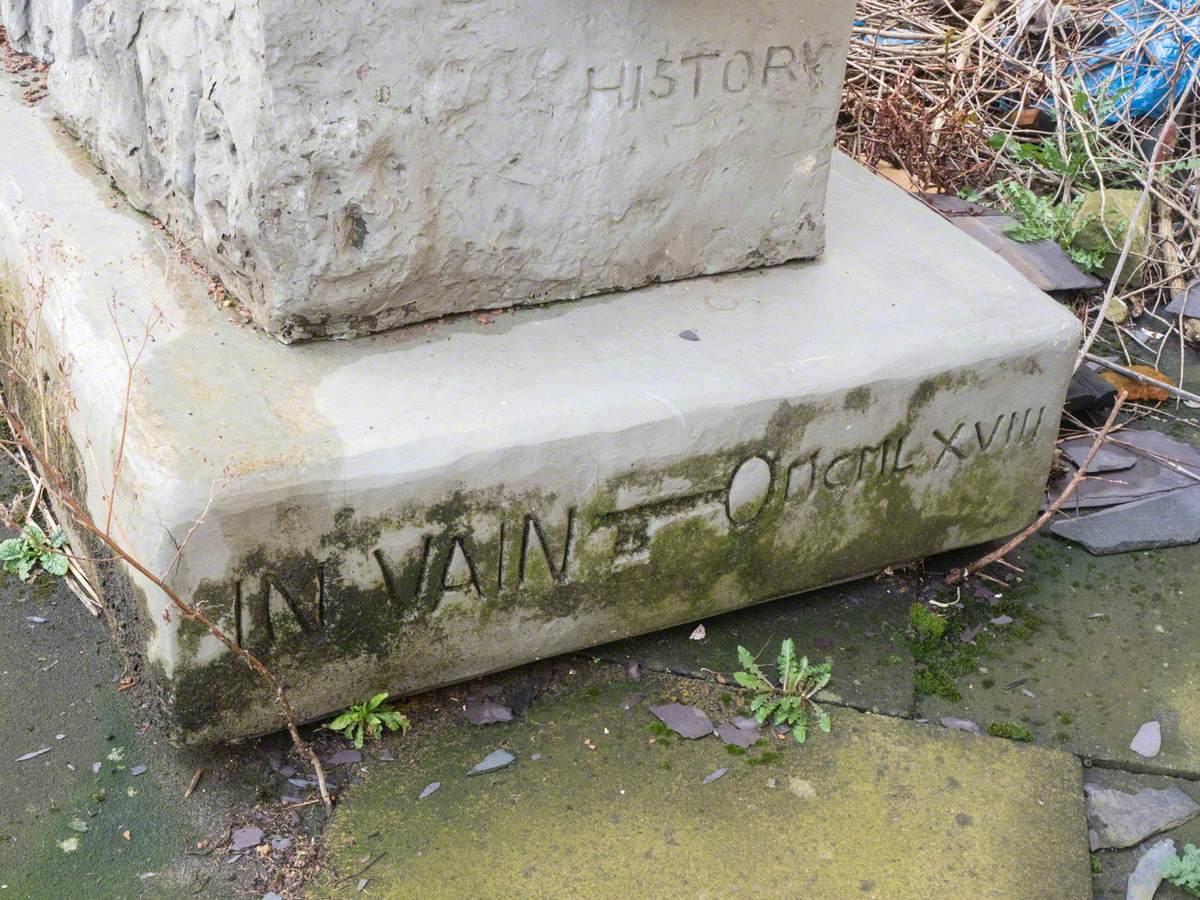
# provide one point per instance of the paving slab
(102, 813)
(415, 508)
(858, 627)
(880, 807)
(1112, 647)
(1113, 867)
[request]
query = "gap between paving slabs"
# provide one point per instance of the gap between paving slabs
(1080, 651)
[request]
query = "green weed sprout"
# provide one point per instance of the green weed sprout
(21, 555)
(368, 719)
(790, 702)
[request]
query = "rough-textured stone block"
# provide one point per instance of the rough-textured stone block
(347, 167)
(418, 507)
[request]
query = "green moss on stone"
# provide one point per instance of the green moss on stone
(1013, 731)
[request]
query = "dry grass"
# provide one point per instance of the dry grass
(969, 71)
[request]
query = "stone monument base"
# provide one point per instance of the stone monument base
(410, 509)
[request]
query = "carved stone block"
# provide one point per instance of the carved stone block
(429, 505)
(348, 167)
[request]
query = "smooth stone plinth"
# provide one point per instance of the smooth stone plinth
(348, 167)
(415, 508)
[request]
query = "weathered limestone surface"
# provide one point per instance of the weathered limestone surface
(348, 167)
(414, 508)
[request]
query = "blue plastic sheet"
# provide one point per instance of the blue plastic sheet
(1148, 60)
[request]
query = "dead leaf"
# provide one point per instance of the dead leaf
(195, 781)
(1139, 390)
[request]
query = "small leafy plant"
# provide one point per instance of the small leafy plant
(1040, 219)
(34, 548)
(789, 700)
(1184, 872)
(368, 719)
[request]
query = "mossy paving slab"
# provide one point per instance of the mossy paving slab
(1113, 867)
(1097, 680)
(881, 807)
(858, 627)
(56, 678)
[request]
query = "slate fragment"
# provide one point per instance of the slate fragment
(687, 721)
(689, 335)
(961, 725)
(1148, 875)
(33, 754)
(969, 634)
(709, 779)
(493, 762)
(481, 710)
(745, 738)
(138, 770)
(1148, 740)
(1109, 458)
(1170, 519)
(344, 758)
(1118, 819)
(1088, 390)
(1154, 443)
(429, 789)
(245, 838)
(1186, 301)
(1163, 465)
(1044, 262)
